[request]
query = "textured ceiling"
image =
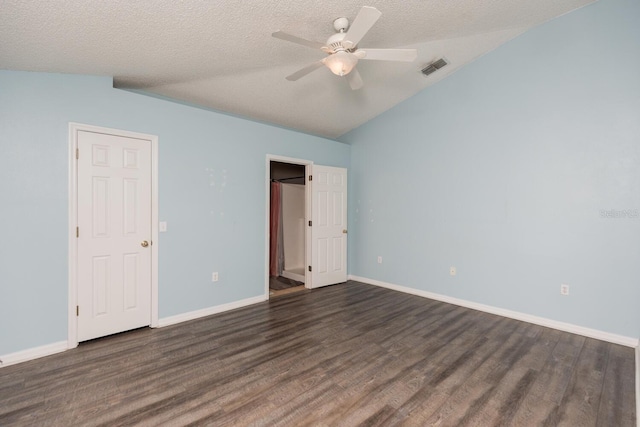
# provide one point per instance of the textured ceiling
(220, 54)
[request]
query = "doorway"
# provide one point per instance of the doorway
(113, 239)
(325, 223)
(287, 227)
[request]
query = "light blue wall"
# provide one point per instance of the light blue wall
(502, 171)
(210, 227)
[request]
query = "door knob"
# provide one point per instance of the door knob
(144, 243)
(344, 231)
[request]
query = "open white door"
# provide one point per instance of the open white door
(329, 226)
(114, 234)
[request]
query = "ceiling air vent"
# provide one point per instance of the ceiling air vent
(434, 66)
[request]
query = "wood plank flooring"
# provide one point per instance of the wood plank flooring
(350, 354)
(277, 293)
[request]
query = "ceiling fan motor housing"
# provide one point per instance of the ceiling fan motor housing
(335, 42)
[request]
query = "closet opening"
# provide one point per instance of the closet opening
(287, 228)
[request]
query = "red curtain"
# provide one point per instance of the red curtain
(274, 226)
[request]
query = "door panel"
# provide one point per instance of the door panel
(329, 216)
(114, 218)
(337, 254)
(100, 284)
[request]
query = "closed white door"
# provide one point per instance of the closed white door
(114, 234)
(329, 226)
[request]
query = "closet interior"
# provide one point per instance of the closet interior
(287, 227)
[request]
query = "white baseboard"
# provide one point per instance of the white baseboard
(554, 324)
(172, 320)
(49, 349)
(293, 276)
(33, 353)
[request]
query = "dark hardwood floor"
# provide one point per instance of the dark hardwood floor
(350, 354)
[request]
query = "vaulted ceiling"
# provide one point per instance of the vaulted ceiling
(220, 54)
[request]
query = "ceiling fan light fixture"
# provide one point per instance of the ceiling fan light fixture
(341, 63)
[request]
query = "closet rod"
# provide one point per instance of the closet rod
(286, 179)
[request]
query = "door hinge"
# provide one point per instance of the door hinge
(77, 231)
(310, 222)
(310, 177)
(77, 153)
(309, 268)
(77, 310)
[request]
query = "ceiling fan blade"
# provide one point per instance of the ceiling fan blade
(304, 71)
(354, 79)
(407, 55)
(298, 40)
(363, 23)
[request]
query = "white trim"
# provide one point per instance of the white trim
(308, 201)
(307, 195)
(32, 353)
(638, 386)
(561, 326)
(72, 332)
(74, 128)
(184, 317)
(155, 238)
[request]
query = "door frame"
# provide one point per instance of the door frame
(308, 164)
(74, 128)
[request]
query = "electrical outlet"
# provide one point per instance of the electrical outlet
(564, 289)
(214, 276)
(452, 271)
(379, 260)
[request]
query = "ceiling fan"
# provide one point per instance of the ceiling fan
(343, 51)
